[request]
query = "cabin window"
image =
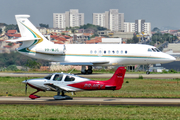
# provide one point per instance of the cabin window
(149, 50)
(99, 51)
(48, 77)
(109, 51)
(104, 52)
(91, 51)
(58, 77)
(113, 52)
(126, 52)
(69, 78)
(117, 52)
(95, 51)
(121, 52)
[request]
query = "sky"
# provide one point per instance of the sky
(160, 13)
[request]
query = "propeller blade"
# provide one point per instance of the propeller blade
(26, 88)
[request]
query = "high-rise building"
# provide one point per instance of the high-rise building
(70, 18)
(110, 19)
(139, 26)
(129, 27)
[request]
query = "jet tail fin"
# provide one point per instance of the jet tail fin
(117, 79)
(27, 29)
(30, 35)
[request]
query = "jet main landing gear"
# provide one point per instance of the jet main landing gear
(88, 71)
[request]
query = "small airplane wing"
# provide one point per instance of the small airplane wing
(55, 87)
(84, 63)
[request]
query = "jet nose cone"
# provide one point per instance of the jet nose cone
(172, 58)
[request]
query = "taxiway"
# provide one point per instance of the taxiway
(151, 76)
(92, 101)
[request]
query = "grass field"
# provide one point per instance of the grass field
(150, 88)
(45, 112)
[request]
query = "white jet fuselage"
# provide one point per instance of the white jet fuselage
(100, 54)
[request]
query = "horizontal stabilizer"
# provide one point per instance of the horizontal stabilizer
(110, 87)
(22, 39)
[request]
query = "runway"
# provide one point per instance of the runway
(92, 101)
(95, 75)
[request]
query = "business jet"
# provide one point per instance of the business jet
(35, 45)
(62, 82)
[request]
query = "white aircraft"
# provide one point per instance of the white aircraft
(61, 83)
(35, 45)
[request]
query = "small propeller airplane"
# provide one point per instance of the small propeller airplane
(63, 82)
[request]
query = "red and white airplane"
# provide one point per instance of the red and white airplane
(62, 82)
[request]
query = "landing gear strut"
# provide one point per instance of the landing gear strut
(148, 72)
(62, 96)
(32, 96)
(88, 71)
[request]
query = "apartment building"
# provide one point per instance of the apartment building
(138, 26)
(111, 19)
(70, 18)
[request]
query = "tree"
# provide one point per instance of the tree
(44, 25)
(12, 27)
(15, 58)
(0, 31)
(156, 29)
(135, 39)
(33, 64)
(62, 33)
(12, 68)
(3, 24)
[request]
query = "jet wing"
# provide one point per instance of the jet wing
(84, 63)
(55, 87)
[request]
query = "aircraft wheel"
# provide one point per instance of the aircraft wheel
(89, 71)
(147, 72)
(83, 72)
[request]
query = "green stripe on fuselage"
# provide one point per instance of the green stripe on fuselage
(116, 56)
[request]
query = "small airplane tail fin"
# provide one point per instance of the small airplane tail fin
(117, 79)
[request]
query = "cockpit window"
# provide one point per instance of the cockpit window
(153, 50)
(58, 77)
(48, 77)
(157, 50)
(149, 50)
(69, 78)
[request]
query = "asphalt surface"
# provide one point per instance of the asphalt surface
(152, 76)
(92, 101)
